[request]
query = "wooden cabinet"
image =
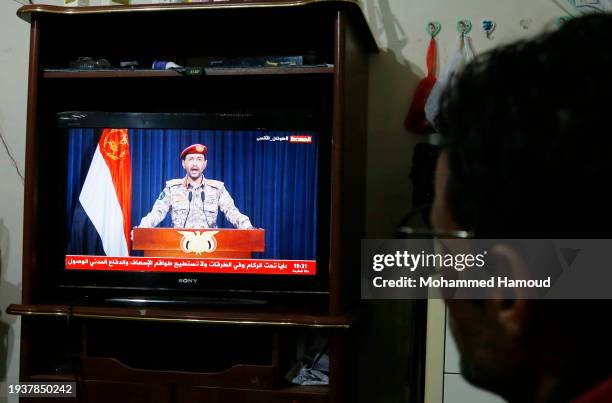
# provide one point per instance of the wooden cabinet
(199, 353)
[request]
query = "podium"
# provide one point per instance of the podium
(199, 242)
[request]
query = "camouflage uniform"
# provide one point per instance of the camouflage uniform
(175, 197)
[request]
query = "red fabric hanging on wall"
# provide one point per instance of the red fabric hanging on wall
(415, 119)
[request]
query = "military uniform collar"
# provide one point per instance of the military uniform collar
(187, 183)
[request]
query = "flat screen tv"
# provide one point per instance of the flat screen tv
(198, 205)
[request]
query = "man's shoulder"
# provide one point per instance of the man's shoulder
(174, 182)
(215, 184)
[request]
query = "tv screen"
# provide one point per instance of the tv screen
(190, 199)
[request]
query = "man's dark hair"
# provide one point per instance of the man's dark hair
(528, 131)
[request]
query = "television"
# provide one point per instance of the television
(251, 223)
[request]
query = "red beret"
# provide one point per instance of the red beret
(194, 149)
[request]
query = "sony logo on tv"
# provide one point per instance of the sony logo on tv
(187, 280)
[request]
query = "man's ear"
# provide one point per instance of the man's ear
(204, 166)
(511, 306)
(183, 164)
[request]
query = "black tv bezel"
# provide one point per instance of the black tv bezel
(78, 284)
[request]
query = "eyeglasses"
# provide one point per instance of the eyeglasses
(420, 215)
(411, 232)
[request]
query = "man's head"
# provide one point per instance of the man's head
(194, 160)
(527, 135)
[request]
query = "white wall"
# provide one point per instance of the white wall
(14, 42)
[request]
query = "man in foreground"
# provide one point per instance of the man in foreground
(528, 154)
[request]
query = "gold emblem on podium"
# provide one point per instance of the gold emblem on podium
(198, 242)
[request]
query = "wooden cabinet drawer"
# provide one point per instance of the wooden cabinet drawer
(292, 394)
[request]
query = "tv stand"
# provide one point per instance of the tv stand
(160, 349)
(185, 301)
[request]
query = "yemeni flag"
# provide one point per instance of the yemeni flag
(102, 218)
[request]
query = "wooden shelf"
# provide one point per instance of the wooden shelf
(212, 71)
(25, 11)
(295, 393)
(353, 6)
(294, 389)
(189, 393)
(53, 377)
(255, 317)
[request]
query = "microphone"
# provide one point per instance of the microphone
(189, 197)
(202, 196)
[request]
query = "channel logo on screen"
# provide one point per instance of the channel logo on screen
(300, 139)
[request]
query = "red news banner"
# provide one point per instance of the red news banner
(191, 265)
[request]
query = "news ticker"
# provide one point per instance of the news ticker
(191, 265)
